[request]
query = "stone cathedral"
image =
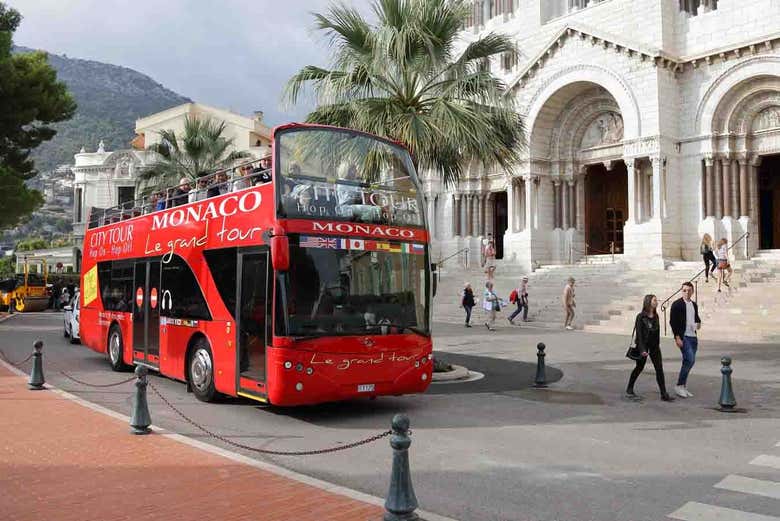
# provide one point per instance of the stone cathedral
(648, 123)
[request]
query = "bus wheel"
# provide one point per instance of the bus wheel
(201, 371)
(115, 349)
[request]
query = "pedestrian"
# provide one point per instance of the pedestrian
(569, 303)
(724, 268)
(705, 248)
(490, 259)
(467, 301)
(491, 304)
(160, 204)
(685, 322)
(647, 331)
(519, 296)
(485, 241)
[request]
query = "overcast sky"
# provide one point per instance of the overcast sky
(234, 54)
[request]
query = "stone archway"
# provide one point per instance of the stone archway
(740, 179)
(576, 147)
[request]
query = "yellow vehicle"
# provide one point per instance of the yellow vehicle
(26, 291)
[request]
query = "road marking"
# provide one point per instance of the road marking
(693, 511)
(759, 487)
(767, 461)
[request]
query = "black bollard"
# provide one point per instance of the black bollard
(36, 374)
(141, 419)
(540, 381)
(401, 501)
(727, 401)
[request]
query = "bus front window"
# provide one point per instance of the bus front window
(355, 292)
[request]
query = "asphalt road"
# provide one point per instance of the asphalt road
(495, 449)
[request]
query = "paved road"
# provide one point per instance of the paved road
(497, 450)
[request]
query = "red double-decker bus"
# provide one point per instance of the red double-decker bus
(305, 282)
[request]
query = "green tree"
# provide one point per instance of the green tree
(199, 150)
(32, 243)
(31, 99)
(402, 78)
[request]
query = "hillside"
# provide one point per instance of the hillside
(110, 98)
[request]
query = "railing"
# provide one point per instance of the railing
(462, 250)
(218, 182)
(591, 250)
(694, 280)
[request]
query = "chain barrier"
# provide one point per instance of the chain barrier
(15, 364)
(267, 451)
(82, 382)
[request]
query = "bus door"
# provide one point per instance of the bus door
(146, 313)
(253, 306)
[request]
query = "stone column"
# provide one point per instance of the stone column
(657, 163)
(478, 214)
(744, 188)
(470, 215)
(735, 189)
(530, 207)
(555, 184)
(755, 161)
(726, 169)
(572, 203)
(518, 205)
(483, 215)
(489, 214)
(709, 175)
(565, 216)
(432, 215)
(456, 215)
(510, 205)
(718, 199)
(632, 190)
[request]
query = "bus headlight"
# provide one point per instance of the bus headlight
(299, 367)
(424, 376)
(309, 371)
(299, 386)
(424, 360)
(288, 365)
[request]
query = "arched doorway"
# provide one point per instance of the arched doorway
(769, 202)
(606, 207)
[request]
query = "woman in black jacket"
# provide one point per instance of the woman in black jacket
(468, 302)
(648, 341)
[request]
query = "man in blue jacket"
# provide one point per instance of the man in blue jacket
(685, 322)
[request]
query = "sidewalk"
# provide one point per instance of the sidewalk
(63, 460)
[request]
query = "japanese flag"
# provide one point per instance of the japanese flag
(357, 244)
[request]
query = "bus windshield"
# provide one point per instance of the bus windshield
(374, 288)
(338, 174)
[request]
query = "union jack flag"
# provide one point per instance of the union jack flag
(318, 242)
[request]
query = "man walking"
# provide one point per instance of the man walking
(569, 304)
(521, 300)
(684, 320)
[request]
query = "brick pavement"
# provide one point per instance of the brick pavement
(62, 461)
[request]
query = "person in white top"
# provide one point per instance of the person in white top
(724, 268)
(685, 322)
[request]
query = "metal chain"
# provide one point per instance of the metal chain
(266, 451)
(15, 364)
(82, 382)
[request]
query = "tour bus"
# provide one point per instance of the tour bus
(304, 281)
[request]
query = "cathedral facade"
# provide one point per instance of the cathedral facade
(648, 123)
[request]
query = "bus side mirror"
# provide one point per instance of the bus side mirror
(280, 253)
(434, 279)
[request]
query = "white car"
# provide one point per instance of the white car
(71, 319)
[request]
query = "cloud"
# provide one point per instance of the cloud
(235, 54)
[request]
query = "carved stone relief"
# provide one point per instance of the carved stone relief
(606, 129)
(767, 119)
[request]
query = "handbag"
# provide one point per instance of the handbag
(633, 351)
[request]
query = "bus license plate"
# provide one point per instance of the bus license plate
(365, 388)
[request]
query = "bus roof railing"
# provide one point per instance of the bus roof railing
(239, 177)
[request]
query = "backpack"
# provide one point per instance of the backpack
(513, 296)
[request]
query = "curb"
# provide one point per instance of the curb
(231, 455)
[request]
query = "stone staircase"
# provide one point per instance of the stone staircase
(610, 294)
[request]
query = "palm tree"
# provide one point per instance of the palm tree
(199, 150)
(401, 78)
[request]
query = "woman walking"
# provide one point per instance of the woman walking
(490, 259)
(467, 301)
(708, 255)
(723, 263)
(648, 341)
(491, 304)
